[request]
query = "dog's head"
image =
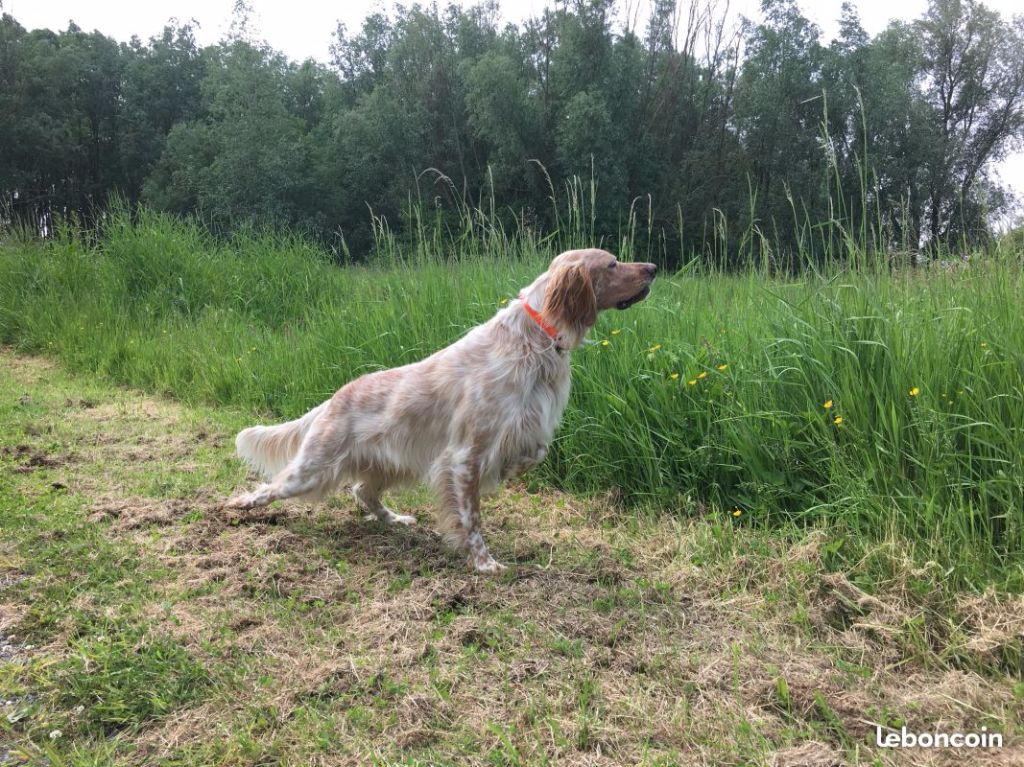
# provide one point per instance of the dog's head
(581, 283)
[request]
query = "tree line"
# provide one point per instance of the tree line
(687, 126)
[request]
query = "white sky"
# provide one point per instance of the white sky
(305, 28)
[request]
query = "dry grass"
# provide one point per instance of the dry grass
(616, 637)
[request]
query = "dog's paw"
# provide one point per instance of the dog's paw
(486, 565)
(391, 518)
(402, 519)
(242, 502)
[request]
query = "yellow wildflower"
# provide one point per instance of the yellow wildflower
(914, 392)
(654, 348)
(692, 382)
(984, 344)
(702, 375)
(837, 420)
(828, 404)
(606, 342)
(502, 302)
(616, 331)
(673, 376)
(722, 367)
(736, 512)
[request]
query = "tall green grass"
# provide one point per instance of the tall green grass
(710, 397)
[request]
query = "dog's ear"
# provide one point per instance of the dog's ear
(569, 300)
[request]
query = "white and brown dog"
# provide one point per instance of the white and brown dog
(476, 413)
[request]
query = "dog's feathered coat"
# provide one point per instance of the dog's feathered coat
(476, 413)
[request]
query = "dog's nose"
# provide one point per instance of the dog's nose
(652, 269)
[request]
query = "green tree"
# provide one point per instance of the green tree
(61, 101)
(894, 137)
(161, 88)
(779, 108)
(249, 158)
(974, 83)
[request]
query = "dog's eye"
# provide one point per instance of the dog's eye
(612, 265)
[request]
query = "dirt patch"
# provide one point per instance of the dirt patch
(27, 370)
(11, 648)
(79, 403)
(8, 579)
(134, 513)
(242, 553)
(30, 459)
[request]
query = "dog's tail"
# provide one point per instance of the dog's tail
(268, 449)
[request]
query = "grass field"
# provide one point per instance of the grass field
(140, 624)
(887, 404)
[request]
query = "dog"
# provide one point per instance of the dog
(463, 420)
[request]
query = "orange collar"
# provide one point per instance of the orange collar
(535, 315)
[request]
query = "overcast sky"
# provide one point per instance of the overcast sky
(304, 28)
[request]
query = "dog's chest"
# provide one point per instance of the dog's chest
(540, 403)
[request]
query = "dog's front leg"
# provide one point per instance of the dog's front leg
(461, 497)
(480, 558)
(523, 463)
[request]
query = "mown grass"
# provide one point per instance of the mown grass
(888, 402)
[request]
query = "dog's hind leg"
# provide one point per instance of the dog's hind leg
(367, 493)
(313, 472)
(294, 480)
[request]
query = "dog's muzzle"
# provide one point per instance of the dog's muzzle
(638, 297)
